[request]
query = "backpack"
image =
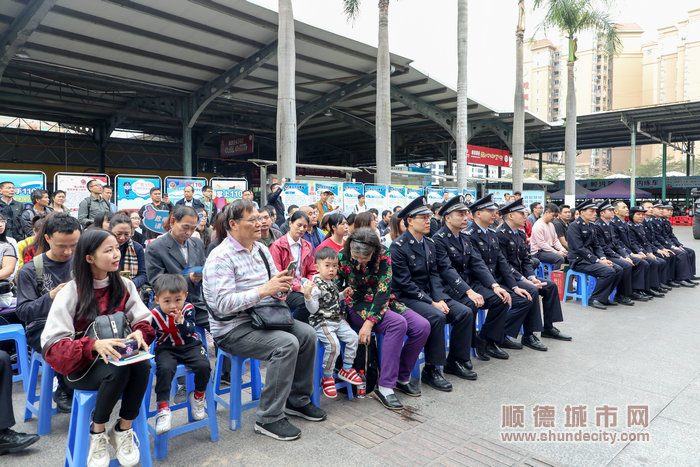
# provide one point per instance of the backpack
(39, 273)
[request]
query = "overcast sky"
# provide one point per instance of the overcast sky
(426, 32)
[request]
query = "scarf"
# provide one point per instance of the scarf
(131, 262)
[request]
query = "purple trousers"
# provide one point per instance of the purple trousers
(398, 357)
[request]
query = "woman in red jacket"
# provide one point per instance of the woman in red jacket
(291, 247)
(84, 360)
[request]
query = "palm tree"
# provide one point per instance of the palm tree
(462, 126)
(572, 17)
(383, 105)
(286, 101)
(518, 146)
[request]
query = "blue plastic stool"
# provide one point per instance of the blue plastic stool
(160, 444)
(78, 443)
(545, 268)
(234, 404)
(318, 374)
(415, 373)
(45, 410)
(591, 286)
(582, 287)
(16, 333)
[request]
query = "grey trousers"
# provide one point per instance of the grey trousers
(331, 334)
(290, 360)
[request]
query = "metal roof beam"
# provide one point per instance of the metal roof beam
(21, 28)
(353, 121)
(441, 117)
(201, 98)
(306, 112)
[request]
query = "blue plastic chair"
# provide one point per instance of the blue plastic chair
(544, 270)
(78, 443)
(16, 333)
(235, 405)
(318, 374)
(160, 443)
(45, 410)
(585, 285)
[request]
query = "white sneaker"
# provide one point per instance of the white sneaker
(198, 407)
(98, 455)
(163, 421)
(126, 444)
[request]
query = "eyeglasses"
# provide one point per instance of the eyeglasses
(3, 222)
(254, 220)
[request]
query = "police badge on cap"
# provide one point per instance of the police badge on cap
(484, 203)
(455, 204)
(515, 206)
(415, 208)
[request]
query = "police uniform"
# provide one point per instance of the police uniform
(514, 247)
(650, 231)
(605, 238)
(456, 258)
(682, 270)
(584, 256)
(658, 270)
(667, 230)
(416, 283)
(645, 274)
(486, 242)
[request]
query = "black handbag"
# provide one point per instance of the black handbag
(114, 326)
(271, 313)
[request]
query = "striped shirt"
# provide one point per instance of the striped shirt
(232, 275)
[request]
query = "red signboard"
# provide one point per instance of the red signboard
(237, 146)
(487, 156)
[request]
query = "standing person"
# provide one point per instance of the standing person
(512, 240)
(322, 205)
(58, 200)
(337, 231)
(314, 235)
(209, 204)
(40, 280)
(274, 198)
(189, 199)
(457, 258)
(561, 223)
(92, 205)
(11, 211)
(166, 200)
(132, 262)
(535, 212)
(40, 207)
(268, 233)
(248, 196)
(586, 256)
(239, 273)
(158, 205)
(107, 192)
(293, 248)
(10, 441)
(544, 242)
(360, 206)
(416, 283)
(365, 266)
(85, 360)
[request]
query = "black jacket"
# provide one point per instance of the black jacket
(515, 250)
(489, 248)
(414, 270)
(583, 247)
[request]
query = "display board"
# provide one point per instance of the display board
(133, 191)
(350, 193)
(295, 193)
(25, 182)
(396, 196)
(75, 186)
(529, 196)
(227, 190)
(175, 187)
(375, 197)
(434, 194)
(413, 192)
(451, 193)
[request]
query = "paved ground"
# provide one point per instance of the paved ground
(645, 355)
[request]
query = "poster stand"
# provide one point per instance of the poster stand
(25, 182)
(75, 186)
(133, 191)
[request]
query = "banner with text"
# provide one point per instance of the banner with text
(396, 197)
(74, 184)
(236, 146)
(133, 191)
(434, 194)
(487, 156)
(350, 193)
(413, 192)
(227, 190)
(175, 187)
(375, 197)
(25, 182)
(295, 193)
(529, 196)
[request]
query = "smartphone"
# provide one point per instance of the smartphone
(129, 349)
(291, 268)
(126, 274)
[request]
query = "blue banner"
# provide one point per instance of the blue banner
(175, 187)
(396, 196)
(350, 193)
(295, 193)
(153, 220)
(25, 183)
(133, 191)
(413, 192)
(375, 197)
(434, 194)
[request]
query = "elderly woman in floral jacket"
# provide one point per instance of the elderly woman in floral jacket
(365, 266)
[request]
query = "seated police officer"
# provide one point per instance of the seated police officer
(681, 258)
(639, 242)
(513, 242)
(484, 239)
(667, 229)
(456, 258)
(586, 256)
(417, 284)
(611, 247)
(660, 250)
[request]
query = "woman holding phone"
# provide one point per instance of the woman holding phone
(98, 289)
(291, 249)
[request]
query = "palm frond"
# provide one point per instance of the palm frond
(351, 8)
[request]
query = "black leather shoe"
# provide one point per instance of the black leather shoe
(458, 369)
(63, 401)
(509, 344)
(389, 401)
(432, 376)
(695, 278)
(12, 441)
(610, 303)
(493, 350)
(409, 389)
(599, 305)
(639, 296)
(655, 293)
(687, 284)
(673, 284)
(534, 343)
(622, 300)
(481, 353)
(468, 365)
(554, 333)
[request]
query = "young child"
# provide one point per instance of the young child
(173, 320)
(323, 300)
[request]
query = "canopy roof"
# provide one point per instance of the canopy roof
(618, 189)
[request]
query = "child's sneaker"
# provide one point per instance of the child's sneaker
(198, 407)
(328, 385)
(98, 455)
(126, 444)
(163, 421)
(350, 376)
